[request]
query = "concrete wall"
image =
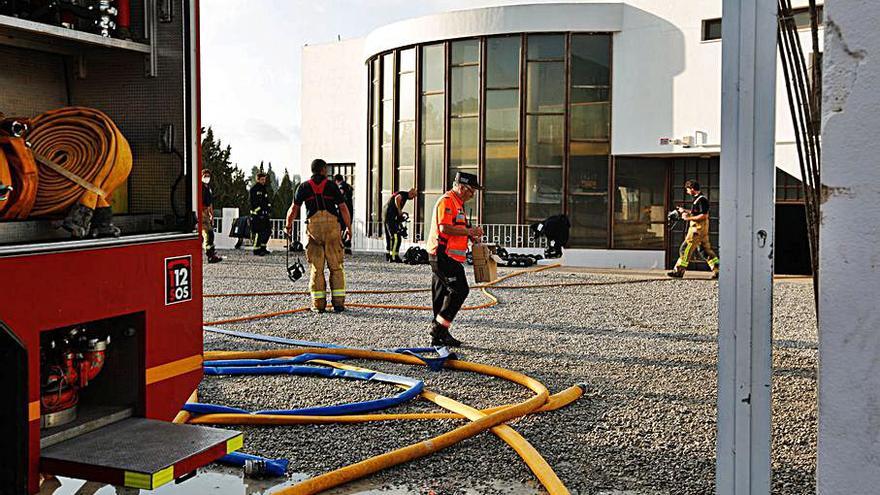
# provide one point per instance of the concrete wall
(334, 110)
(849, 328)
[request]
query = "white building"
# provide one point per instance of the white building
(599, 110)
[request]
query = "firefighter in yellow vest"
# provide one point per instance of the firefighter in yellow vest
(698, 233)
(447, 250)
(324, 206)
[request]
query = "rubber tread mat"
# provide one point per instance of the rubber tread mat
(138, 445)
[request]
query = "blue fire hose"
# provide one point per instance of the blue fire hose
(272, 467)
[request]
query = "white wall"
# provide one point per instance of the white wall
(334, 110)
(849, 328)
(666, 81)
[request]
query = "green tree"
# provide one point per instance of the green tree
(283, 197)
(227, 181)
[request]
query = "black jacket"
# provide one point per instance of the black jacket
(261, 204)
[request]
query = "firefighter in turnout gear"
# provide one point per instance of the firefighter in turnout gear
(393, 220)
(324, 206)
(208, 218)
(447, 250)
(261, 211)
(697, 234)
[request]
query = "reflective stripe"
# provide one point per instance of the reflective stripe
(338, 293)
(318, 294)
(713, 262)
(443, 321)
(456, 251)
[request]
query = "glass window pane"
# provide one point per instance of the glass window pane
(428, 202)
(407, 96)
(377, 104)
(543, 193)
(502, 114)
(588, 200)
(591, 121)
(432, 118)
(465, 90)
(587, 149)
(499, 208)
(466, 51)
(546, 87)
(502, 171)
(590, 59)
(639, 206)
(463, 137)
(405, 182)
(433, 68)
(432, 171)
(408, 60)
(406, 144)
(387, 121)
(376, 146)
(544, 139)
(590, 95)
(387, 167)
(388, 76)
(502, 57)
(543, 46)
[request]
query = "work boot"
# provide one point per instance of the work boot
(318, 310)
(396, 259)
(347, 250)
(440, 336)
(677, 272)
(78, 221)
(338, 308)
(213, 257)
(715, 275)
(102, 223)
(261, 252)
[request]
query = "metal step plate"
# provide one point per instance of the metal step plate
(139, 453)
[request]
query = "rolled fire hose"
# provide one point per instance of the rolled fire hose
(83, 156)
(17, 168)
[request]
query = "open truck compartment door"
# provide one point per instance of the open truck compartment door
(102, 342)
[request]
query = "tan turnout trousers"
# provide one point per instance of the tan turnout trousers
(697, 239)
(325, 245)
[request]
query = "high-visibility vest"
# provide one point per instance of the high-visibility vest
(449, 210)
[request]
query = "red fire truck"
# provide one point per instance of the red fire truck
(100, 338)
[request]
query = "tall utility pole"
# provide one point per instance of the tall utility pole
(748, 135)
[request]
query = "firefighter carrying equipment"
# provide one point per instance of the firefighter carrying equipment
(697, 239)
(449, 210)
(556, 229)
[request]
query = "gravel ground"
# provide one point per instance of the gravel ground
(645, 426)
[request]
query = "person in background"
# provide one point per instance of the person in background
(697, 234)
(324, 206)
(348, 194)
(394, 222)
(261, 211)
(208, 218)
(447, 250)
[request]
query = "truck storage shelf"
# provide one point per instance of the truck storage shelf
(139, 453)
(55, 39)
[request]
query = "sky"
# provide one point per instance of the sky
(251, 54)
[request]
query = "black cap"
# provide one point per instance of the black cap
(468, 180)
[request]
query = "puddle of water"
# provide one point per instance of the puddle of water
(221, 480)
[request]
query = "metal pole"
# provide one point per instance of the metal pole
(746, 285)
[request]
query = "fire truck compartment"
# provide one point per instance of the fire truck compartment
(144, 85)
(139, 453)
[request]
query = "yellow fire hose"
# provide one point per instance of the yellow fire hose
(481, 420)
(417, 450)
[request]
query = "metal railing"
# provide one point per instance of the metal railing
(370, 236)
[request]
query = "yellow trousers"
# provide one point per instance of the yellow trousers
(325, 246)
(697, 239)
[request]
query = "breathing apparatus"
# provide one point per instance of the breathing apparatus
(401, 226)
(296, 270)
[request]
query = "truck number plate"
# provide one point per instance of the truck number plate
(178, 279)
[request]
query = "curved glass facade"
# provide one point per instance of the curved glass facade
(529, 113)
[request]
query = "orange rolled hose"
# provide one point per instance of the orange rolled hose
(17, 168)
(86, 143)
